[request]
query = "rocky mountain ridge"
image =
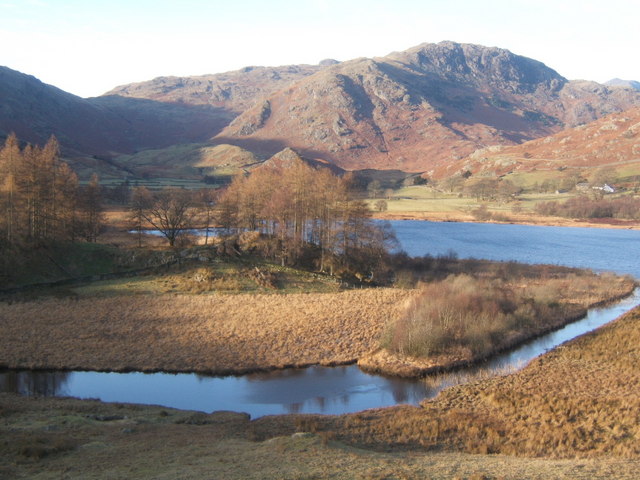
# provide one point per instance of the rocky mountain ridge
(419, 110)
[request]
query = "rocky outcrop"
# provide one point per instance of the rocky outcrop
(613, 140)
(422, 109)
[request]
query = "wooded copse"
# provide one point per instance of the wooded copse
(299, 215)
(41, 200)
(311, 216)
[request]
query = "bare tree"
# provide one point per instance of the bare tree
(141, 201)
(10, 158)
(91, 209)
(171, 213)
(206, 204)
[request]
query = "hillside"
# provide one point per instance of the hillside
(420, 110)
(617, 82)
(93, 130)
(233, 91)
(613, 141)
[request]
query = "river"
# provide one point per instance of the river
(346, 389)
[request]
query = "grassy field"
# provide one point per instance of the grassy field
(218, 275)
(425, 203)
(571, 414)
(232, 315)
(423, 199)
(221, 333)
(72, 439)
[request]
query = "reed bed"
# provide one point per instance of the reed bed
(218, 333)
(464, 319)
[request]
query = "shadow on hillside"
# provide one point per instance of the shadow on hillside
(152, 124)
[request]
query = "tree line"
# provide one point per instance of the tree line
(41, 199)
(301, 215)
(627, 208)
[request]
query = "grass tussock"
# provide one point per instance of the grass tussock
(167, 443)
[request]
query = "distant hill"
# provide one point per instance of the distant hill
(616, 82)
(98, 129)
(420, 110)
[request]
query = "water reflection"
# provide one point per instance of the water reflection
(328, 390)
(35, 383)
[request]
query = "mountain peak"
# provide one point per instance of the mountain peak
(419, 110)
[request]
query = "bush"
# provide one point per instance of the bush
(585, 207)
(462, 312)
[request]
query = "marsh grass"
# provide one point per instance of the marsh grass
(220, 333)
(579, 400)
(474, 317)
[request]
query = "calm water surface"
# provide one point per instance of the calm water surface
(347, 389)
(602, 249)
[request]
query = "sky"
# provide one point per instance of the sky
(87, 47)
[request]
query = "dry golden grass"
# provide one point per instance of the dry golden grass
(464, 320)
(66, 438)
(212, 333)
(580, 400)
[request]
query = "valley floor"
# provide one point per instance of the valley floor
(223, 334)
(578, 401)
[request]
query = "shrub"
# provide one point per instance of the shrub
(475, 315)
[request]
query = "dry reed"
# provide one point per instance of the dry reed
(212, 333)
(580, 400)
(464, 319)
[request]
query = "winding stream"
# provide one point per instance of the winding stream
(346, 389)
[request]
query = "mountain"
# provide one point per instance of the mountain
(613, 141)
(99, 127)
(420, 109)
(232, 91)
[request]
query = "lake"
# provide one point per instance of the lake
(600, 249)
(346, 389)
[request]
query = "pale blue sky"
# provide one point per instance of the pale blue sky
(87, 47)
